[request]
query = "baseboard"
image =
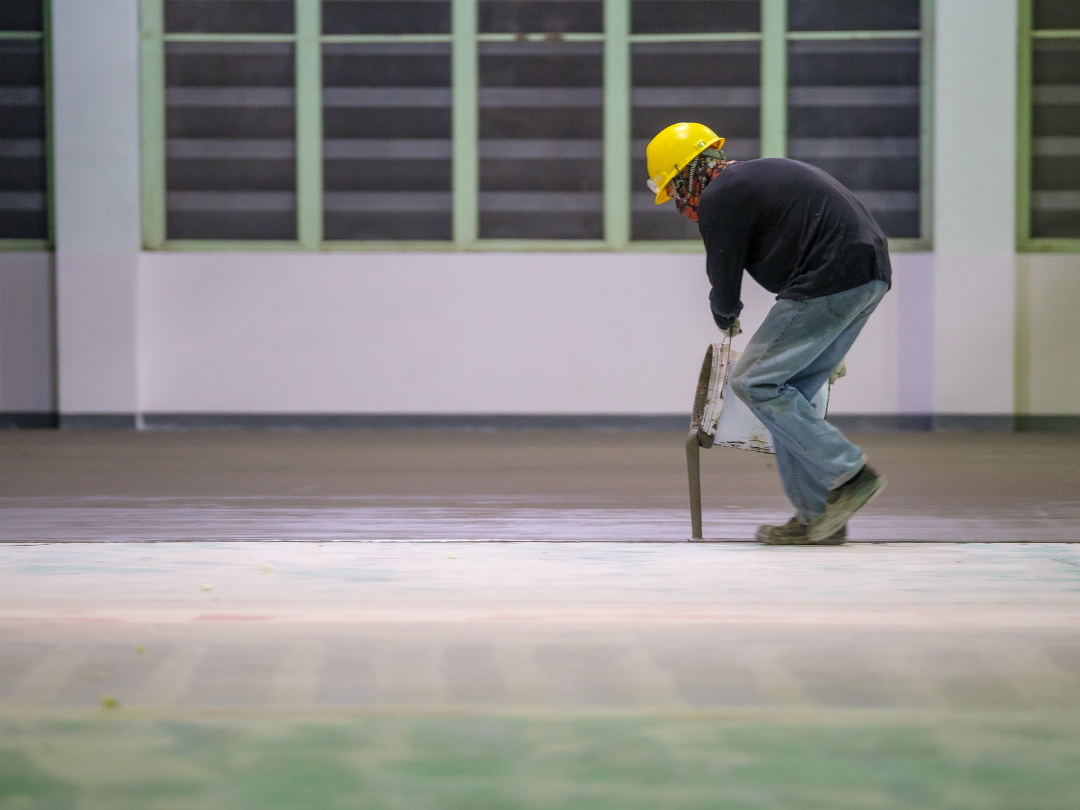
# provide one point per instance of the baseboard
(420, 421)
(967, 423)
(856, 423)
(1048, 423)
(927, 422)
(959, 422)
(28, 420)
(924, 422)
(883, 422)
(98, 421)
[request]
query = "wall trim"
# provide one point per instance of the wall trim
(98, 421)
(410, 421)
(855, 423)
(960, 422)
(884, 422)
(974, 422)
(28, 420)
(1049, 423)
(925, 422)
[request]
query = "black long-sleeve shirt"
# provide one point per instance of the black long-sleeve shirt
(797, 231)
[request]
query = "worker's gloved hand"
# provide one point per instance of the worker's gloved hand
(732, 331)
(838, 372)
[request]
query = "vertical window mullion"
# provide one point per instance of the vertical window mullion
(617, 139)
(1023, 115)
(309, 162)
(858, 92)
(50, 196)
(152, 89)
(774, 78)
(926, 122)
(465, 128)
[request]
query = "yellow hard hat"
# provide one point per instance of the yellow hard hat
(670, 152)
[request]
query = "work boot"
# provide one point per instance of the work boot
(793, 533)
(845, 501)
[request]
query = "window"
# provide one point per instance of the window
(510, 124)
(386, 139)
(854, 101)
(1050, 126)
(692, 60)
(24, 186)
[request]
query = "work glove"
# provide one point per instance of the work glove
(732, 331)
(838, 372)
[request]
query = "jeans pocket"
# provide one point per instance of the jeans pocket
(849, 303)
(837, 308)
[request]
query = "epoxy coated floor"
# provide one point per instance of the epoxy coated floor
(59, 486)
(589, 674)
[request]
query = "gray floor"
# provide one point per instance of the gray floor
(581, 674)
(95, 486)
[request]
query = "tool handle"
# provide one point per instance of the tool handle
(693, 473)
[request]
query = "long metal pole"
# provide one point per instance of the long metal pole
(693, 474)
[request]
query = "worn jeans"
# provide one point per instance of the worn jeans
(786, 364)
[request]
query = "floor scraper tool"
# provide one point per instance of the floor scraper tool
(721, 419)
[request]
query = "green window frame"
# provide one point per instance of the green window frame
(308, 39)
(1029, 35)
(42, 36)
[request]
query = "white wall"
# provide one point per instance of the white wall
(1049, 334)
(451, 333)
(468, 333)
(26, 333)
(974, 205)
(442, 333)
(96, 171)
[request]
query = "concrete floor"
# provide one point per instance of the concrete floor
(93, 486)
(591, 673)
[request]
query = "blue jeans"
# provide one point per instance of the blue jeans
(787, 362)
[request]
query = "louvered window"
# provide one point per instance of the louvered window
(386, 120)
(1051, 185)
(509, 124)
(23, 141)
(854, 104)
(230, 120)
(541, 145)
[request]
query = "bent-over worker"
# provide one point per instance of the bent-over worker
(803, 236)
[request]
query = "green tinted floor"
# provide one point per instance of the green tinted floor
(592, 675)
(481, 763)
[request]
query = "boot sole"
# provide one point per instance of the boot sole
(762, 536)
(830, 522)
(828, 541)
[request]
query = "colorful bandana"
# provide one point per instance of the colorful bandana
(691, 181)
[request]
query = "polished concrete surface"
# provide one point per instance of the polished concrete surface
(94, 486)
(620, 668)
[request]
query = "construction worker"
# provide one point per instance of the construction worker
(803, 236)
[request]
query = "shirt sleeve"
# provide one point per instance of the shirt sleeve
(726, 244)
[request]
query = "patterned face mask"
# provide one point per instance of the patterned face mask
(691, 181)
